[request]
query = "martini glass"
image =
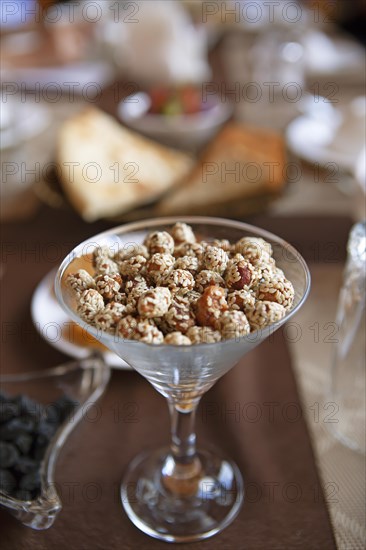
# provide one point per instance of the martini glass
(181, 493)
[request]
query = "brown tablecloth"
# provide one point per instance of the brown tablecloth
(253, 414)
(284, 508)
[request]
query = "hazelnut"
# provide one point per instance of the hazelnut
(80, 281)
(233, 324)
(154, 303)
(136, 282)
(177, 339)
(254, 249)
(135, 328)
(179, 316)
(108, 317)
(101, 253)
(130, 250)
(239, 275)
(241, 299)
(189, 249)
(203, 335)
(159, 265)
(265, 313)
(215, 259)
(160, 242)
(106, 266)
(180, 279)
(188, 263)
(91, 303)
(133, 266)
(210, 306)
(222, 243)
(108, 285)
(276, 289)
(181, 232)
(206, 278)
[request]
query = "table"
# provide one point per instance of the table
(285, 506)
(311, 217)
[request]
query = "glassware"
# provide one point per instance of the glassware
(348, 362)
(83, 382)
(181, 494)
(278, 77)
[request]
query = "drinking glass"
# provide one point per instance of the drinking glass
(348, 361)
(181, 493)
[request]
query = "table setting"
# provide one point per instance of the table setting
(182, 212)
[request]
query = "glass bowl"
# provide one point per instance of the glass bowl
(83, 382)
(187, 131)
(181, 494)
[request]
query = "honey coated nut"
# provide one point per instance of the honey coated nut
(175, 290)
(210, 306)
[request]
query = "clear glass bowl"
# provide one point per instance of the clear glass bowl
(186, 131)
(83, 382)
(180, 494)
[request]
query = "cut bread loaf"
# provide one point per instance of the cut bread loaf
(106, 169)
(239, 163)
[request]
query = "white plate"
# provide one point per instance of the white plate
(71, 78)
(50, 320)
(324, 137)
(21, 121)
(332, 56)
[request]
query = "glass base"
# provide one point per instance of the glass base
(211, 506)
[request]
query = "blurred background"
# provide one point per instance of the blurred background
(118, 110)
(176, 72)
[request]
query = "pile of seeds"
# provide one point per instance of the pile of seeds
(26, 429)
(177, 289)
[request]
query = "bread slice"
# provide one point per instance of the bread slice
(239, 163)
(107, 169)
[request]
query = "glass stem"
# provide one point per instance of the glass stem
(182, 468)
(183, 436)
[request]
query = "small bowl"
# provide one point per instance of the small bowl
(82, 381)
(189, 132)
